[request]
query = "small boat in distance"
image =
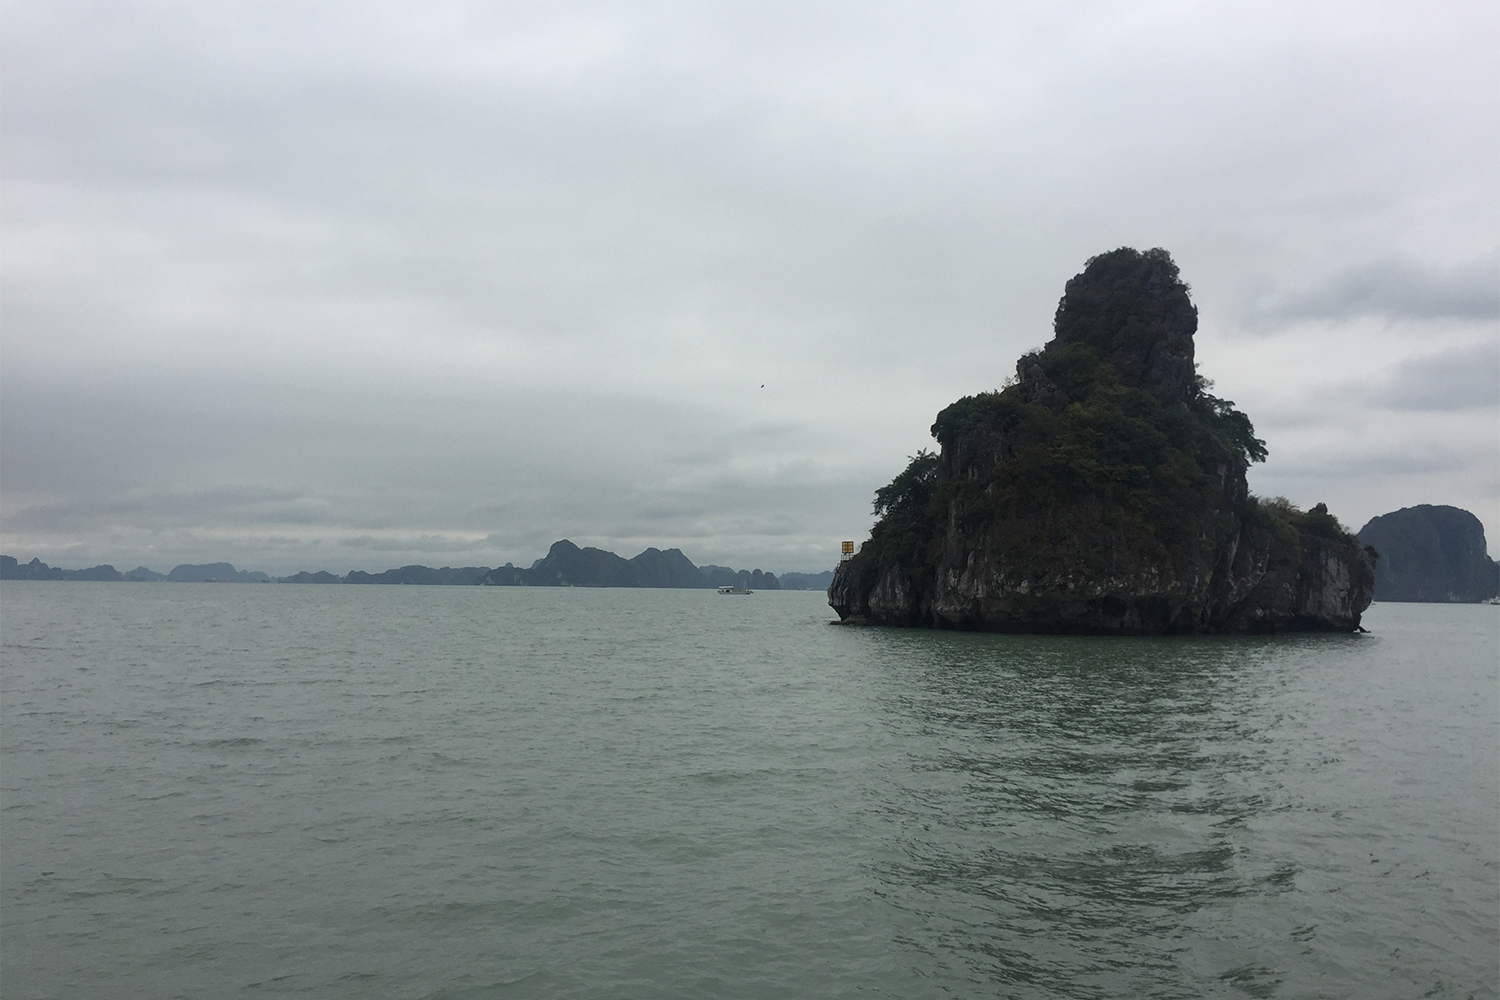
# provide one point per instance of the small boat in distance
(734, 588)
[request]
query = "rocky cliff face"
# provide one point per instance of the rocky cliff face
(1103, 491)
(1431, 553)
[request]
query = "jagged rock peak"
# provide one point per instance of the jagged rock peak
(1134, 310)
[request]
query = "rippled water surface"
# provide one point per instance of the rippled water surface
(495, 792)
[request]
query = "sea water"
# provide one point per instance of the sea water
(278, 791)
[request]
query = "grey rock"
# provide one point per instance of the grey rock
(1431, 553)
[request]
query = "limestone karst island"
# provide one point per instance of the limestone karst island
(1102, 491)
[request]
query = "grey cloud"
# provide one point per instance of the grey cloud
(1370, 465)
(419, 543)
(1462, 379)
(1394, 289)
(148, 509)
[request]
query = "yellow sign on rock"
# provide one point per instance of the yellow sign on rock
(848, 548)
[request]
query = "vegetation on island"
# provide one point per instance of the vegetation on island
(1113, 457)
(1105, 455)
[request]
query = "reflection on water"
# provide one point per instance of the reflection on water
(1085, 816)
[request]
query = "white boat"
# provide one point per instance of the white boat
(734, 588)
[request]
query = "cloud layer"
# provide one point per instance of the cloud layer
(348, 285)
(1397, 290)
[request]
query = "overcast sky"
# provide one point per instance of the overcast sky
(352, 285)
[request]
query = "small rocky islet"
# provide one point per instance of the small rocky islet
(1102, 490)
(1431, 553)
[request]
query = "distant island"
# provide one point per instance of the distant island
(1431, 553)
(1102, 490)
(565, 565)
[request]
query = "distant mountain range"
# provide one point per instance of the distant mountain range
(565, 565)
(11, 569)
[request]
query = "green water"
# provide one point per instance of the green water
(505, 792)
